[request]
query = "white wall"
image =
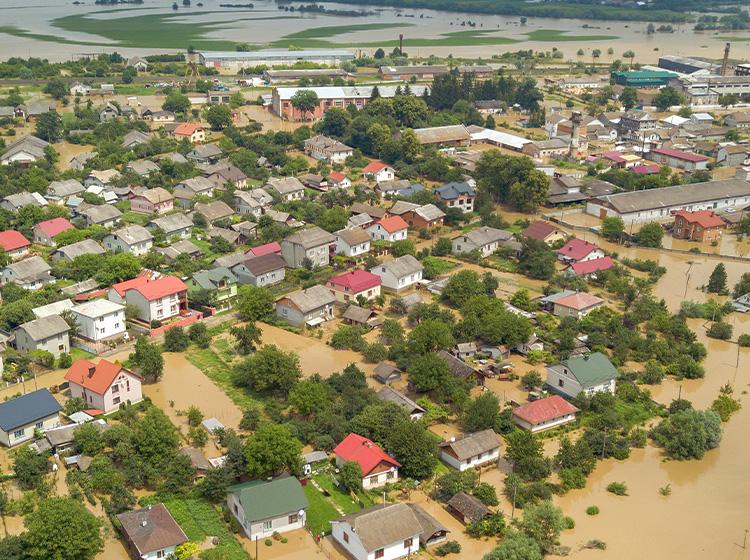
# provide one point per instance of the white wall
(357, 551)
(477, 460)
(665, 214)
(102, 327)
(11, 439)
(570, 386)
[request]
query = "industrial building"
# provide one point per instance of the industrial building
(643, 78)
(706, 90)
(235, 60)
(687, 65)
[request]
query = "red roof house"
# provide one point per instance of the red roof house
(585, 268)
(544, 414)
(678, 158)
(192, 131)
(157, 299)
(379, 171)
(14, 243)
(576, 305)
(346, 287)
(646, 169)
(45, 232)
(105, 385)
(390, 228)
(700, 225)
(377, 466)
(576, 250)
(266, 249)
(543, 231)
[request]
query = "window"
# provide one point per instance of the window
(115, 389)
(293, 518)
(160, 554)
(267, 525)
(39, 425)
(408, 543)
(346, 537)
(379, 553)
(560, 383)
(18, 433)
(116, 400)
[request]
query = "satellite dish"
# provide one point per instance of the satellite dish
(302, 513)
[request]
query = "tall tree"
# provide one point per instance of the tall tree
(49, 126)
(272, 450)
(62, 529)
(305, 101)
(717, 282)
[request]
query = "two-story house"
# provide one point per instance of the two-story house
(174, 225)
(44, 232)
(133, 239)
(391, 228)
(349, 286)
(578, 250)
(457, 195)
(400, 273)
(378, 468)
(22, 417)
(353, 242)
(103, 386)
(100, 319)
(263, 270)
(156, 299)
(31, 274)
(485, 240)
(327, 149)
(48, 333)
(220, 282)
(288, 188)
(309, 246)
(152, 201)
(311, 306)
(378, 171)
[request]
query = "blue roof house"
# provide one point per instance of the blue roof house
(22, 416)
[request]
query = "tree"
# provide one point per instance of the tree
(248, 338)
(254, 303)
(631, 55)
(310, 397)
(269, 370)
(485, 493)
(720, 330)
(454, 482)
(461, 287)
(350, 475)
(63, 529)
(613, 228)
(515, 546)
(543, 522)
(537, 259)
(155, 438)
(742, 287)
(629, 97)
(147, 357)
(88, 439)
(717, 282)
(379, 54)
(403, 247)
(272, 450)
(528, 195)
(415, 448)
(335, 122)
(527, 456)
(409, 145)
(428, 372)
(49, 126)
(532, 380)
(305, 101)
(219, 117)
(650, 235)
(214, 485)
(56, 89)
(198, 333)
(177, 103)
(481, 413)
(30, 467)
(688, 434)
(175, 340)
(430, 336)
(666, 97)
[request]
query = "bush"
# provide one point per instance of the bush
(572, 478)
(198, 436)
(450, 547)
(720, 330)
(725, 405)
(488, 527)
(64, 361)
(194, 416)
(744, 340)
(618, 488)
(175, 340)
(592, 510)
(486, 494)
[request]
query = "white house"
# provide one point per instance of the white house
(392, 228)
(589, 374)
(103, 386)
(22, 416)
(288, 188)
(265, 507)
(327, 149)
(353, 242)
(379, 172)
(471, 450)
(484, 239)
(157, 299)
(100, 319)
(400, 273)
(134, 239)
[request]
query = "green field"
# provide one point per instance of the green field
(319, 511)
(317, 37)
(555, 35)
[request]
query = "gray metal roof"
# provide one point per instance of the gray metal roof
(172, 223)
(309, 238)
(45, 327)
(83, 247)
(27, 409)
(401, 266)
(471, 445)
(312, 298)
(485, 235)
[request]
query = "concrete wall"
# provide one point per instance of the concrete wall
(99, 328)
(476, 461)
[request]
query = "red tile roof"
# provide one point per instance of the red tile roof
(336, 176)
(704, 218)
(266, 249)
(363, 451)
(393, 224)
(54, 226)
(94, 377)
(152, 289)
(356, 281)
(579, 301)
(594, 265)
(576, 249)
(678, 154)
(614, 156)
(187, 129)
(544, 410)
(10, 240)
(539, 230)
(374, 166)
(646, 169)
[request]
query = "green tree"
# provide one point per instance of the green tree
(461, 287)
(214, 485)
(271, 450)
(717, 282)
(155, 439)
(485, 493)
(335, 122)
(198, 333)
(254, 303)
(666, 97)
(403, 247)
(30, 467)
(409, 145)
(481, 413)
(62, 529)
(430, 336)
(526, 454)
(613, 228)
(688, 434)
(415, 447)
(631, 55)
(543, 522)
(305, 101)
(442, 247)
(247, 337)
(310, 397)
(428, 372)
(350, 475)
(176, 340)
(537, 260)
(177, 103)
(88, 439)
(49, 126)
(147, 357)
(742, 287)
(528, 195)
(515, 545)
(650, 235)
(219, 117)
(56, 89)
(629, 97)
(269, 370)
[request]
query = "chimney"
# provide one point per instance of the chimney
(92, 370)
(575, 133)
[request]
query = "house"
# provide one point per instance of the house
(210, 153)
(678, 159)
(288, 188)
(544, 414)
(151, 532)
(591, 267)
(457, 195)
(103, 386)
(214, 211)
(24, 151)
(54, 308)
(386, 532)
(246, 204)
(100, 319)
(133, 239)
(264, 270)
(376, 212)
(485, 240)
(473, 450)
(101, 179)
(193, 186)
(386, 373)
(108, 112)
(197, 460)
(31, 274)
(174, 225)
(579, 250)
(312, 245)
(265, 507)
(311, 306)
(45, 232)
(84, 247)
(14, 244)
(392, 229)
(264, 249)
(458, 368)
(387, 394)
(399, 274)
(157, 299)
(426, 216)
(378, 468)
(77, 88)
(314, 181)
(21, 417)
(134, 138)
(731, 155)
(589, 374)
(353, 242)
(140, 64)
(195, 133)
(543, 231)
(576, 305)
(14, 202)
(464, 350)
(47, 333)
(348, 287)
(103, 215)
(565, 190)
(327, 149)
(181, 247)
(545, 149)
(222, 175)
(360, 317)
(467, 509)
(219, 281)
(378, 171)
(152, 201)
(700, 225)
(60, 190)
(338, 180)
(402, 188)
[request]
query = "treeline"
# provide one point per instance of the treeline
(447, 89)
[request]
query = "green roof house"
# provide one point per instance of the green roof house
(263, 507)
(220, 281)
(588, 374)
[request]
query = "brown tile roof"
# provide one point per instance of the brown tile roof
(152, 528)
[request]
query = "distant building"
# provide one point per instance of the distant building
(327, 149)
(232, 61)
(642, 78)
(678, 159)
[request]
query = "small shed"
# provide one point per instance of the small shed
(386, 373)
(212, 425)
(358, 316)
(467, 509)
(197, 460)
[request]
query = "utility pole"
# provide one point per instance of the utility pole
(513, 511)
(604, 443)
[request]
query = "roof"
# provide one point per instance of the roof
(309, 238)
(451, 191)
(54, 308)
(579, 301)
(497, 137)
(485, 235)
(679, 195)
(209, 279)
(265, 249)
(94, 377)
(67, 187)
(439, 134)
(539, 230)
(362, 208)
(151, 289)
(263, 499)
(311, 298)
(468, 506)
(400, 266)
(430, 525)
(100, 213)
(357, 314)
(156, 195)
(471, 445)
(353, 236)
(45, 327)
(95, 308)
(27, 409)
(704, 218)
(594, 265)
(356, 281)
(591, 369)
(429, 212)
(363, 451)
(10, 240)
(314, 457)
(187, 129)
(83, 247)
(173, 222)
(457, 367)
(151, 529)
(196, 184)
(346, 92)
(205, 151)
(391, 395)
(328, 144)
(678, 154)
(383, 372)
(264, 263)
(401, 207)
(285, 185)
(133, 234)
(29, 269)
(54, 226)
(380, 526)
(544, 410)
(374, 166)
(197, 458)
(135, 137)
(216, 210)
(392, 224)
(576, 249)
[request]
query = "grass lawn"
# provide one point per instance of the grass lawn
(199, 520)
(79, 353)
(316, 36)
(555, 35)
(136, 218)
(501, 264)
(225, 350)
(343, 499)
(220, 373)
(452, 39)
(438, 266)
(319, 511)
